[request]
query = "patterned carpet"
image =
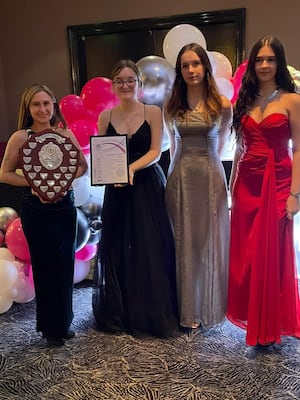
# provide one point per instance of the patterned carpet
(215, 365)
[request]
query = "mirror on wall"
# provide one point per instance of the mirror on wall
(95, 48)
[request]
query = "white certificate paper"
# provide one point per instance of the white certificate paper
(109, 160)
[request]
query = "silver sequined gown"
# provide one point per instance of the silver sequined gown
(197, 203)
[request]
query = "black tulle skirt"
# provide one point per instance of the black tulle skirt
(135, 281)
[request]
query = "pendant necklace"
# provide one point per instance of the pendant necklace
(271, 96)
(125, 122)
(128, 125)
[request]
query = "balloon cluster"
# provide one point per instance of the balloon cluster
(158, 74)
(81, 112)
(184, 34)
(16, 282)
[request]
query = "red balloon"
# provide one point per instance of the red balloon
(15, 240)
(72, 107)
(83, 129)
(97, 92)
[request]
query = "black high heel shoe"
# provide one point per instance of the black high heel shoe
(55, 342)
(70, 334)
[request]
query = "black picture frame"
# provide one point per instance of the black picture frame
(109, 160)
(224, 31)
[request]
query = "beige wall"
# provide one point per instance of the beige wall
(34, 43)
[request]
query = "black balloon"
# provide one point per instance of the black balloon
(95, 231)
(83, 230)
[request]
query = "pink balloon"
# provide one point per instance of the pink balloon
(83, 129)
(97, 93)
(87, 252)
(30, 275)
(16, 241)
(26, 267)
(86, 151)
(93, 114)
(237, 79)
(239, 72)
(72, 107)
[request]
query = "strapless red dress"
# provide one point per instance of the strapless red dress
(263, 294)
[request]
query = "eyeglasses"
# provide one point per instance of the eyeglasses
(120, 82)
(268, 60)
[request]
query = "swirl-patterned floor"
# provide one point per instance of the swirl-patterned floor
(215, 365)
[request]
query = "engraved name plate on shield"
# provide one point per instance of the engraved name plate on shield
(49, 162)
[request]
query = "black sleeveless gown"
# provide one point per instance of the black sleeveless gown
(50, 230)
(135, 281)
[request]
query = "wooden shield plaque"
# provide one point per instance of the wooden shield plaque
(49, 162)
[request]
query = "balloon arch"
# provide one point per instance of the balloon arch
(81, 113)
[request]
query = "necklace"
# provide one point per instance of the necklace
(128, 125)
(197, 107)
(271, 96)
(124, 120)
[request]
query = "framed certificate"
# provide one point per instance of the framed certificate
(109, 160)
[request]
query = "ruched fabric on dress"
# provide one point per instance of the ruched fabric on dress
(263, 284)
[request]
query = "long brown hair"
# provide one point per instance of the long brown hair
(25, 119)
(177, 104)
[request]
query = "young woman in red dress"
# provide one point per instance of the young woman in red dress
(263, 293)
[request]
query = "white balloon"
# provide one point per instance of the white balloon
(23, 289)
(225, 87)
(81, 190)
(291, 69)
(212, 60)
(178, 37)
(8, 274)
(95, 191)
(295, 74)
(165, 139)
(6, 254)
(81, 270)
(5, 303)
(224, 67)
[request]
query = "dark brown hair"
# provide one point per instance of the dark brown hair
(249, 89)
